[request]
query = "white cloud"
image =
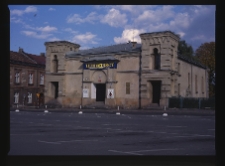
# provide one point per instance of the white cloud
(76, 18)
(46, 29)
(35, 34)
(45, 22)
(181, 20)
(199, 37)
(114, 18)
(70, 31)
(29, 9)
(51, 9)
(88, 37)
(54, 39)
(182, 34)
(129, 35)
(158, 15)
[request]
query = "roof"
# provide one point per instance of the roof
(119, 48)
(39, 59)
(161, 32)
(63, 41)
(192, 61)
(26, 58)
(15, 56)
(105, 58)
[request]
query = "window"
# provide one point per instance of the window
(30, 81)
(29, 96)
(42, 79)
(156, 58)
(196, 84)
(16, 98)
(55, 64)
(127, 88)
(17, 77)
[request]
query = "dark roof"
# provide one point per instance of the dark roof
(16, 56)
(39, 59)
(105, 58)
(119, 48)
(25, 58)
(192, 61)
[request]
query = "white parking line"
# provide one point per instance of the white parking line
(124, 152)
(176, 126)
(49, 142)
(151, 150)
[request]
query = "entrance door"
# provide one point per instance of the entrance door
(55, 89)
(100, 92)
(156, 88)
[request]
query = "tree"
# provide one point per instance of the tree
(185, 49)
(206, 55)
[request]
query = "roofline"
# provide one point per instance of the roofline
(159, 33)
(62, 41)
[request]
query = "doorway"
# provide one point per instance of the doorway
(156, 91)
(100, 92)
(55, 87)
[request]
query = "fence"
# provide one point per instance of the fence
(201, 103)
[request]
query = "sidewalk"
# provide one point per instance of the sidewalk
(170, 111)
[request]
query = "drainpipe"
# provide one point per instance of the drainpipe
(140, 72)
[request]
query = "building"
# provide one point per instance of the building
(27, 74)
(129, 75)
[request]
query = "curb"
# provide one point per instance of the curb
(114, 111)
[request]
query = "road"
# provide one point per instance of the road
(58, 133)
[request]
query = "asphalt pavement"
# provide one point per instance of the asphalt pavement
(107, 133)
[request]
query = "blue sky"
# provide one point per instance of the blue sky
(95, 25)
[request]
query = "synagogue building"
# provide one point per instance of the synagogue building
(129, 75)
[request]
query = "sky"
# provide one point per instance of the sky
(93, 26)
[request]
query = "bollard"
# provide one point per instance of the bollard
(165, 114)
(80, 112)
(17, 110)
(118, 108)
(80, 106)
(117, 113)
(46, 111)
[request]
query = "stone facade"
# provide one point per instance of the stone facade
(129, 75)
(27, 74)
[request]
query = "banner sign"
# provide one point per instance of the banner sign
(103, 65)
(110, 93)
(85, 93)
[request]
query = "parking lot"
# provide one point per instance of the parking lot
(70, 133)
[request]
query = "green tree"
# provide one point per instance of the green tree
(185, 49)
(206, 55)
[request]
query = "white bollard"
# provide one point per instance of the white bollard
(17, 110)
(117, 113)
(46, 111)
(80, 106)
(118, 108)
(80, 112)
(165, 114)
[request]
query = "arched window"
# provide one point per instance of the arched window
(156, 59)
(55, 64)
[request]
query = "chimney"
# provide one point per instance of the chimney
(42, 54)
(20, 50)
